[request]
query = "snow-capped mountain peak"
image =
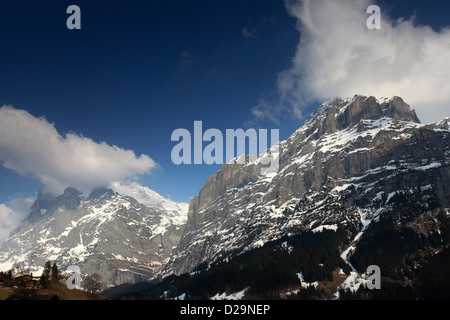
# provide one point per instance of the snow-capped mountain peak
(176, 211)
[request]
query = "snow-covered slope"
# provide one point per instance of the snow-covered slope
(176, 211)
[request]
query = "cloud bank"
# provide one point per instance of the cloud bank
(32, 146)
(339, 56)
(12, 214)
(9, 220)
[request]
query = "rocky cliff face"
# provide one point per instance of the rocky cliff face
(345, 166)
(107, 233)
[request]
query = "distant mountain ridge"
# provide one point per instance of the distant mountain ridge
(109, 233)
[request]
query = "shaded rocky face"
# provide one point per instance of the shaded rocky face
(344, 166)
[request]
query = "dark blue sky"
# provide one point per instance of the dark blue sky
(137, 70)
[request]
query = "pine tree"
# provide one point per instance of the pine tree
(55, 273)
(44, 280)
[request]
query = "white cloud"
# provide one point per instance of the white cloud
(12, 214)
(339, 56)
(9, 220)
(21, 205)
(32, 146)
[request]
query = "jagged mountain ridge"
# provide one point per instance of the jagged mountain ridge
(108, 233)
(342, 168)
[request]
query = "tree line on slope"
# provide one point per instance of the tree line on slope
(264, 271)
(414, 265)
